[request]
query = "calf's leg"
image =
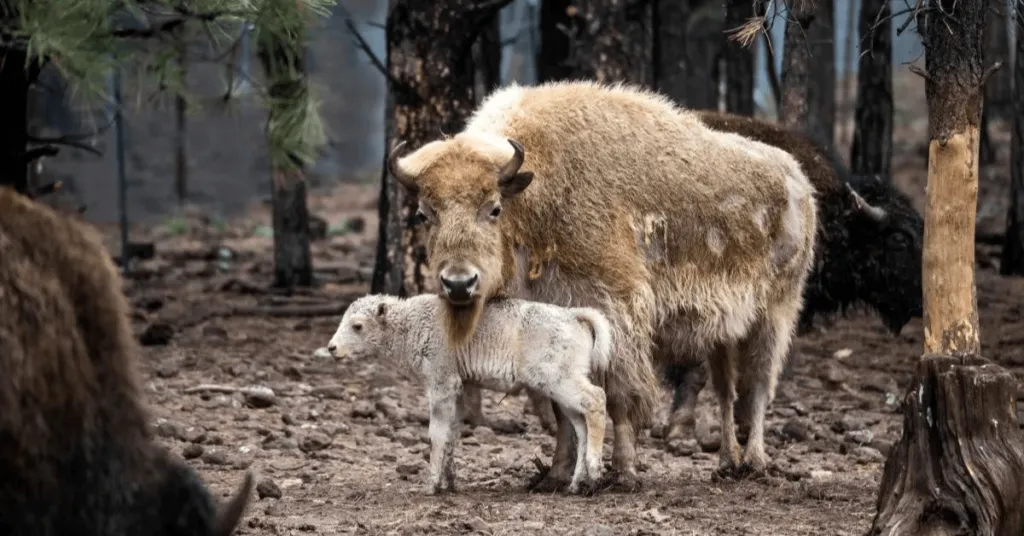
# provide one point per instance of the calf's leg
(444, 432)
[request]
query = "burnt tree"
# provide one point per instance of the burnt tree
(1013, 242)
(16, 78)
(614, 41)
(998, 99)
(487, 53)
(871, 152)
(704, 44)
(558, 29)
(739, 61)
(796, 64)
(956, 468)
(821, 91)
(430, 91)
(671, 64)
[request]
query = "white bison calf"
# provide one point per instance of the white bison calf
(543, 348)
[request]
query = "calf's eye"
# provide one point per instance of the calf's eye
(357, 327)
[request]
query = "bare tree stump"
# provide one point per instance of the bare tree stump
(957, 467)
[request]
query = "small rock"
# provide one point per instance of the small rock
(820, 474)
(682, 447)
(710, 442)
(860, 437)
(842, 353)
(847, 423)
(406, 439)
(192, 451)
(599, 530)
(214, 332)
(314, 442)
(167, 429)
(408, 469)
(216, 457)
(195, 435)
(388, 457)
(867, 455)
(260, 397)
(655, 515)
(287, 418)
(882, 446)
(478, 525)
(168, 369)
(390, 410)
(267, 488)
(533, 525)
(797, 429)
(156, 334)
(484, 434)
(364, 410)
(291, 483)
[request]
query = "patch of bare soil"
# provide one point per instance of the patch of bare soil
(340, 447)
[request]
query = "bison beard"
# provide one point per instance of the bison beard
(691, 250)
(868, 252)
(76, 454)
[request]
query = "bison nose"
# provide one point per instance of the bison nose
(459, 289)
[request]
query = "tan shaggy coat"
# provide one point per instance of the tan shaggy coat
(628, 204)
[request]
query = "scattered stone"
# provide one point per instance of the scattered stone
(710, 441)
(655, 515)
(797, 429)
(478, 525)
(168, 369)
(314, 442)
(390, 410)
(259, 397)
(192, 451)
(484, 434)
(820, 474)
(533, 525)
(860, 437)
(287, 418)
(847, 423)
(266, 488)
(216, 457)
(195, 435)
(214, 332)
(882, 446)
(842, 353)
(156, 334)
(291, 483)
(388, 457)
(682, 447)
(406, 438)
(363, 410)
(168, 429)
(408, 469)
(867, 455)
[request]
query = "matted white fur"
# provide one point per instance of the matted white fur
(547, 349)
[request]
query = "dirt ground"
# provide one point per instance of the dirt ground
(339, 447)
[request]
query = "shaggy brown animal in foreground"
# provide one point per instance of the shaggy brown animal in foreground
(76, 452)
(611, 197)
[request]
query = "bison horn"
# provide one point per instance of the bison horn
(403, 178)
(229, 514)
(876, 214)
(513, 165)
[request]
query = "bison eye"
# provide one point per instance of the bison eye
(357, 327)
(421, 217)
(495, 212)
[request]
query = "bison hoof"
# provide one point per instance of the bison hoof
(622, 482)
(546, 483)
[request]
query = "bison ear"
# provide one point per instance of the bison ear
(512, 186)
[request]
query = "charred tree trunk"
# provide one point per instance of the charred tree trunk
(998, 103)
(739, 61)
(487, 57)
(796, 64)
(871, 152)
(293, 265)
(956, 468)
(822, 81)
(15, 79)
(181, 126)
(1013, 245)
(704, 53)
(430, 71)
(669, 49)
(614, 42)
(558, 30)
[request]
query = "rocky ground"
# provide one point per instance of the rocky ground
(235, 382)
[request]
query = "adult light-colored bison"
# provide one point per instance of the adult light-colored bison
(867, 253)
(608, 196)
(76, 452)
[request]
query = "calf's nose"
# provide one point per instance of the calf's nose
(459, 288)
(332, 348)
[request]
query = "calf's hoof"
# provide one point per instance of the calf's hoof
(584, 487)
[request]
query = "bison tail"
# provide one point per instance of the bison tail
(600, 354)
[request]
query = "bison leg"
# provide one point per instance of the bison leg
(544, 411)
(624, 453)
(687, 379)
(472, 407)
(766, 350)
(723, 377)
(560, 472)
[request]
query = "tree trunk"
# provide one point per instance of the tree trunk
(614, 41)
(871, 152)
(822, 83)
(558, 29)
(669, 49)
(293, 266)
(739, 61)
(430, 70)
(956, 468)
(704, 51)
(181, 124)
(15, 79)
(998, 103)
(487, 53)
(796, 64)
(1013, 245)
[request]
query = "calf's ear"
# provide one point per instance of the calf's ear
(382, 311)
(513, 185)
